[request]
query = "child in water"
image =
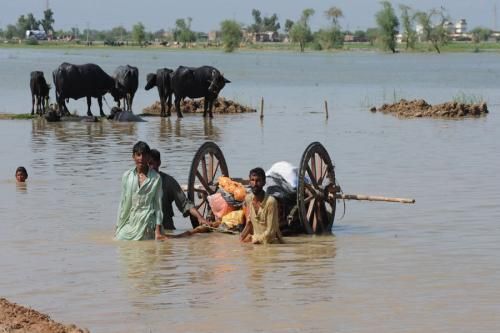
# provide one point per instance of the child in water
(21, 174)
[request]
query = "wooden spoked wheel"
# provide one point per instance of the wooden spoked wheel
(208, 164)
(315, 201)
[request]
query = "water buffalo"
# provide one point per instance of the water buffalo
(39, 92)
(162, 81)
(127, 81)
(205, 81)
(77, 81)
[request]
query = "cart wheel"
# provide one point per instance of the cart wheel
(316, 179)
(208, 164)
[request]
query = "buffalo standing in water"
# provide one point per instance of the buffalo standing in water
(77, 81)
(196, 82)
(127, 82)
(39, 92)
(162, 81)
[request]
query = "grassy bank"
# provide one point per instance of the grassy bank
(12, 116)
(289, 47)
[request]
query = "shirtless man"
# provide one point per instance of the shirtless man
(261, 212)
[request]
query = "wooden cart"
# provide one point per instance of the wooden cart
(313, 211)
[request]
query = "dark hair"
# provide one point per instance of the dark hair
(155, 155)
(141, 147)
(258, 172)
(23, 170)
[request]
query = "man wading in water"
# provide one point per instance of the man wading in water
(140, 213)
(172, 192)
(261, 213)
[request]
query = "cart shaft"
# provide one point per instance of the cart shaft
(372, 198)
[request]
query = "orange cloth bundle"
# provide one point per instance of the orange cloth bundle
(237, 190)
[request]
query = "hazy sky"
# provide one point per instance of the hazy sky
(207, 14)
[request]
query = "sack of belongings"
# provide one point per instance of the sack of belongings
(219, 205)
(282, 181)
(233, 220)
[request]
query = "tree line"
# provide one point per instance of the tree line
(233, 34)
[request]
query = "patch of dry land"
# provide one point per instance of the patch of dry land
(420, 108)
(18, 319)
(221, 105)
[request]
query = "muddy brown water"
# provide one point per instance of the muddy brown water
(429, 267)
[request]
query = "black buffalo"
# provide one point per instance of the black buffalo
(205, 81)
(39, 92)
(162, 81)
(127, 81)
(77, 81)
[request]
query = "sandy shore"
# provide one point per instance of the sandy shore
(18, 319)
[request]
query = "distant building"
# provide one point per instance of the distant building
(266, 36)
(36, 34)
(449, 27)
(461, 26)
(213, 36)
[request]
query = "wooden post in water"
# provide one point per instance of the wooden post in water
(326, 109)
(261, 107)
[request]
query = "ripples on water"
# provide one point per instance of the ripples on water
(432, 266)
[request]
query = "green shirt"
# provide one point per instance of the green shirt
(140, 207)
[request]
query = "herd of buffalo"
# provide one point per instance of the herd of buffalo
(89, 80)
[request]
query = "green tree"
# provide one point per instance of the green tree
(372, 35)
(480, 34)
(48, 21)
(10, 31)
(257, 25)
(21, 26)
(183, 32)
(433, 28)
(331, 38)
(407, 20)
(271, 23)
(288, 25)
(119, 33)
(300, 31)
(261, 24)
(138, 33)
(231, 35)
(31, 22)
(333, 14)
(388, 24)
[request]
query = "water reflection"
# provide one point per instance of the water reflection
(140, 261)
(300, 266)
(22, 187)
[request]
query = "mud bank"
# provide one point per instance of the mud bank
(18, 319)
(420, 108)
(221, 105)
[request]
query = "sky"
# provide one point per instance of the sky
(207, 14)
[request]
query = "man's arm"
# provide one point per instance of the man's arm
(246, 234)
(183, 204)
(201, 220)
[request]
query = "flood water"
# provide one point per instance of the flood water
(429, 267)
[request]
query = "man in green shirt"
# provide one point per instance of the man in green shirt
(140, 214)
(172, 191)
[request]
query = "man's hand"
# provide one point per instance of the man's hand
(160, 237)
